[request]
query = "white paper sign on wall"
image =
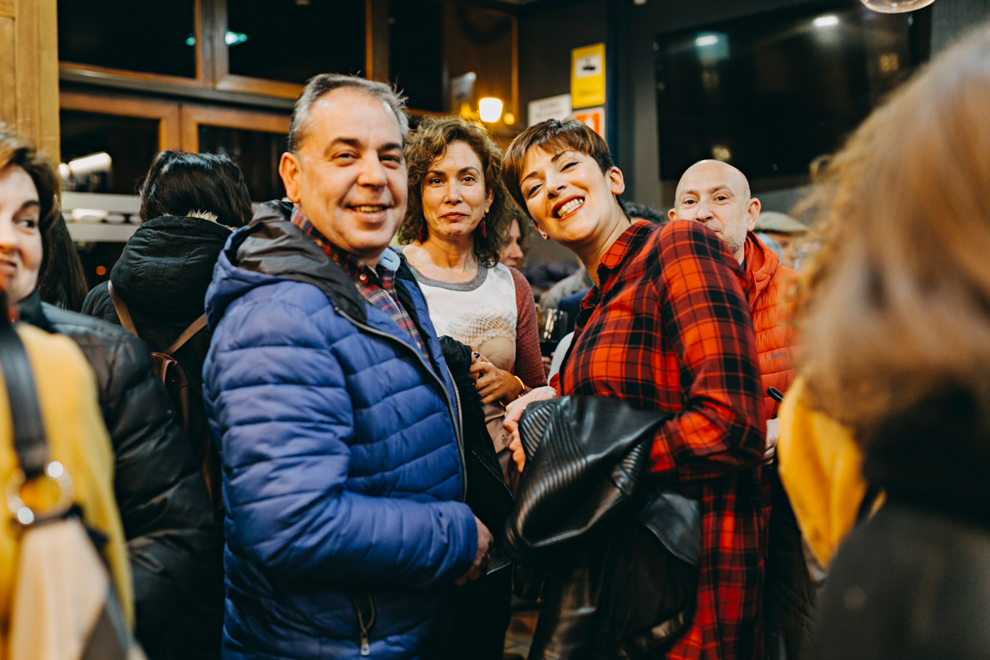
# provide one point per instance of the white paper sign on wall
(552, 107)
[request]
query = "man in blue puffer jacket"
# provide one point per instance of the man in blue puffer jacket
(343, 480)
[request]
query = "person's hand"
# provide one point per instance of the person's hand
(492, 383)
(480, 557)
(773, 434)
(513, 412)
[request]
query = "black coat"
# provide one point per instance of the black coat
(913, 582)
(162, 276)
(173, 538)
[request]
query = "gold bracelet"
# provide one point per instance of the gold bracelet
(521, 384)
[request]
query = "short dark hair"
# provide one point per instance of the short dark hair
(319, 86)
(180, 183)
(428, 145)
(555, 136)
(634, 210)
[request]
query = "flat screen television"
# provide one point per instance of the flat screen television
(769, 93)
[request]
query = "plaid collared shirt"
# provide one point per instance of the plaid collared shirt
(669, 329)
(377, 285)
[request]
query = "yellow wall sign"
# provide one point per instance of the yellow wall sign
(588, 76)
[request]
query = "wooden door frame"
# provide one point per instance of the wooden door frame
(192, 116)
(168, 114)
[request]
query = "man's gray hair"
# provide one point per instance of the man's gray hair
(319, 86)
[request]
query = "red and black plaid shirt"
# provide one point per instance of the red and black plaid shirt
(669, 329)
(377, 285)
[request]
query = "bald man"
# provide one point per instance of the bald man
(718, 195)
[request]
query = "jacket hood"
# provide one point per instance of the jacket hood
(167, 265)
(270, 248)
(761, 265)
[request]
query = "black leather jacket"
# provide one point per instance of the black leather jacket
(172, 537)
(621, 550)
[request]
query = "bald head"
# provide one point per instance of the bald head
(711, 171)
(718, 195)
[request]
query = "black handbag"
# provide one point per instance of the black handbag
(64, 601)
(621, 551)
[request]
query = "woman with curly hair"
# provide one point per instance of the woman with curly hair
(455, 227)
(457, 219)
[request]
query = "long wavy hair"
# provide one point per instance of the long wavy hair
(427, 145)
(897, 298)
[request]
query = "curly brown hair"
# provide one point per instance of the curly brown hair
(428, 145)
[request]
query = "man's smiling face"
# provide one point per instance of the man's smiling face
(717, 195)
(349, 175)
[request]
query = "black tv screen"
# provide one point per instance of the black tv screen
(768, 93)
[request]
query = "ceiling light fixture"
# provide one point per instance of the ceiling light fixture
(896, 6)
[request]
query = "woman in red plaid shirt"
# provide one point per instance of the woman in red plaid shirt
(667, 327)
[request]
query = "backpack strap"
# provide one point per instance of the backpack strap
(187, 334)
(123, 313)
(30, 441)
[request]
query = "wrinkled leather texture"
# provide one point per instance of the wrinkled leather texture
(585, 456)
(172, 536)
(621, 552)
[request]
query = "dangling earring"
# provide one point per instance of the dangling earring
(546, 237)
(421, 233)
(484, 227)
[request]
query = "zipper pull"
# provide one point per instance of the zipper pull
(365, 646)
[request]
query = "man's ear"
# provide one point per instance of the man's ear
(290, 170)
(672, 214)
(615, 181)
(752, 213)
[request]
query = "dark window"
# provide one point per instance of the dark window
(257, 153)
(769, 93)
(151, 37)
(415, 55)
(130, 142)
(293, 40)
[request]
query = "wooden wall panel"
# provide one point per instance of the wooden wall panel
(8, 84)
(29, 79)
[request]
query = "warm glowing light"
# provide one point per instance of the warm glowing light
(826, 21)
(896, 6)
(721, 153)
(509, 119)
(490, 109)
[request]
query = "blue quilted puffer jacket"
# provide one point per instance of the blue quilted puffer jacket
(342, 471)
